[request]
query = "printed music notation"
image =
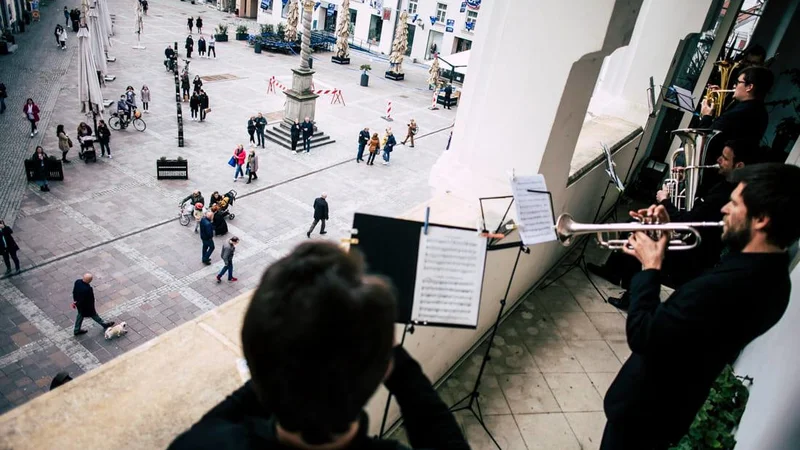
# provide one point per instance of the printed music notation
(449, 276)
(534, 213)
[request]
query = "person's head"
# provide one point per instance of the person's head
(307, 119)
(763, 208)
(366, 129)
(197, 77)
(234, 240)
(87, 278)
(82, 125)
(29, 101)
(260, 115)
(145, 88)
(252, 117)
(374, 135)
(755, 55)
(39, 150)
(59, 129)
(215, 194)
(2, 224)
(735, 155)
(194, 94)
(318, 338)
(324, 195)
(753, 83)
(196, 193)
(210, 214)
(412, 121)
(252, 151)
(122, 97)
(214, 208)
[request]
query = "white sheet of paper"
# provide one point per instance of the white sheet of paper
(535, 216)
(449, 276)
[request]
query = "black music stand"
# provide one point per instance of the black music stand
(474, 395)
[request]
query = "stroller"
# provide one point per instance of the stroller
(225, 204)
(87, 152)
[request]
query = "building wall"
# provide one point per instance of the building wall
(423, 28)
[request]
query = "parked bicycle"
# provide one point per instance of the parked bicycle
(119, 121)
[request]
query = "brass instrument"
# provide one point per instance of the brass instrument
(608, 233)
(684, 179)
(717, 96)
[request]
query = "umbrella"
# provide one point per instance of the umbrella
(89, 93)
(138, 26)
(98, 47)
(105, 16)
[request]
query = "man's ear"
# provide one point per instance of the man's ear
(759, 223)
(738, 165)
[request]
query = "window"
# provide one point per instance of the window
(472, 18)
(441, 12)
(412, 6)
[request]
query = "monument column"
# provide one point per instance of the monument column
(300, 100)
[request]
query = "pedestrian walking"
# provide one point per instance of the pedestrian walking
(252, 165)
(239, 156)
(261, 124)
(308, 130)
(207, 237)
(83, 300)
(228, 249)
(57, 33)
(145, 6)
(212, 44)
(66, 16)
(363, 140)
(62, 38)
(39, 159)
(190, 23)
(412, 130)
(145, 98)
(3, 97)
(373, 145)
(185, 85)
(199, 24)
(251, 128)
(295, 134)
(31, 111)
(75, 18)
(103, 137)
(64, 143)
(197, 83)
(8, 247)
(448, 91)
(388, 147)
(194, 105)
(201, 46)
(189, 45)
(204, 109)
(320, 214)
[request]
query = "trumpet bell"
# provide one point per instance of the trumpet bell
(564, 226)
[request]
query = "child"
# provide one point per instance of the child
(198, 215)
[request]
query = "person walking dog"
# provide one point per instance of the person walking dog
(228, 249)
(83, 301)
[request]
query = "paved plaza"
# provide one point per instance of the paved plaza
(115, 220)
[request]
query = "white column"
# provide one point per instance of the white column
(659, 29)
(532, 71)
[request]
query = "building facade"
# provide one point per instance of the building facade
(442, 26)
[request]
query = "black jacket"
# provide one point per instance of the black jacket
(296, 131)
(363, 137)
(206, 229)
(203, 101)
(745, 121)
(308, 129)
(251, 126)
(194, 101)
(103, 134)
(681, 346)
(242, 422)
(7, 242)
(260, 124)
(320, 209)
(83, 296)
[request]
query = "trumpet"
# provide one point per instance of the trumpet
(608, 234)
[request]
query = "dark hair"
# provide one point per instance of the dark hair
(771, 190)
(761, 78)
(754, 50)
(59, 129)
(318, 338)
(745, 151)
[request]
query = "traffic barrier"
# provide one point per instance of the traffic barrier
(388, 116)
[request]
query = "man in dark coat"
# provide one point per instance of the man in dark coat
(261, 124)
(363, 138)
(320, 214)
(308, 130)
(295, 135)
(681, 346)
(83, 301)
(8, 247)
(207, 236)
(203, 97)
(448, 92)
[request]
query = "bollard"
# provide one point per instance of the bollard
(388, 116)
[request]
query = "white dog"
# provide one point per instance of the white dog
(117, 330)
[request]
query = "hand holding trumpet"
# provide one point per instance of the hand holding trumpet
(649, 251)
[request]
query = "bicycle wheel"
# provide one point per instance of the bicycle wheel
(139, 124)
(183, 218)
(114, 123)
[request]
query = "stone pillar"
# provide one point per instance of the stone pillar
(300, 101)
(527, 93)
(661, 26)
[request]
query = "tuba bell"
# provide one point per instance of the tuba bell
(686, 175)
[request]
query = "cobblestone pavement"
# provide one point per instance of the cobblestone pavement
(114, 219)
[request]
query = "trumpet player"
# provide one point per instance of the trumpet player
(680, 267)
(679, 347)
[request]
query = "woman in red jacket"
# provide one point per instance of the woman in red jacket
(239, 155)
(31, 112)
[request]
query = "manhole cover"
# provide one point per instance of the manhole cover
(221, 77)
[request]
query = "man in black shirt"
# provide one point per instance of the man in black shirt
(363, 138)
(308, 130)
(682, 345)
(680, 267)
(319, 339)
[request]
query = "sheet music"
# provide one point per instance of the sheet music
(449, 276)
(534, 212)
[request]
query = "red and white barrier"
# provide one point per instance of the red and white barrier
(275, 84)
(388, 116)
(435, 97)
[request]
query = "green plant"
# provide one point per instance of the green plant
(365, 68)
(222, 29)
(267, 28)
(281, 30)
(242, 29)
(716, 421)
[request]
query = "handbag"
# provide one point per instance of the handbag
(69, 142)
(232, 161)
(208, 110)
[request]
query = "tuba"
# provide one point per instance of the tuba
(685, 176)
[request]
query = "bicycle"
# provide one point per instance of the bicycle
(120, 122)
(185, 214)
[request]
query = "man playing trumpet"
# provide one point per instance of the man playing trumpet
(680, 267)
(679, 347)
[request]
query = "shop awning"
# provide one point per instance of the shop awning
(458, 61)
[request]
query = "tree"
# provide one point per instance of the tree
(400, 44)
(343, 31)
(293, 18)
(433, 73)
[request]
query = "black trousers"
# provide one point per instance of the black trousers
(252, 136)
(619, 437)
(260, 136)
(8, 256)
(371, 158)
(202, 114)
(314, 225)
(212, 50)
(194, 112)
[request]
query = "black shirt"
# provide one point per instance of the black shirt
(242, 422)
(681, 346)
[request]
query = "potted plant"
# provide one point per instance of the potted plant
(242, 32)
(222, 33)
(281, 30)
(364, 76)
